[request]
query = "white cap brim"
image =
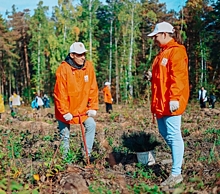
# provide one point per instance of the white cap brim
(152, 33)
(80, 52)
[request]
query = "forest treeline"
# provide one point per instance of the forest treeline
(115, 34)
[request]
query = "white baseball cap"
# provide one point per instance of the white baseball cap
(107, 83)
(78, 48)
(162, 27)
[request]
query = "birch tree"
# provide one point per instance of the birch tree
(89, 25)
(67, 30)
(194, 14)
(40, 28)
(129, 20)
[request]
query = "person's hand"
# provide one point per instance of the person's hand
(112, 99)
(91, 113)
(174, 105)
(68, 116)
(148, 75)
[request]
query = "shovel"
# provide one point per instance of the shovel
(83, 137)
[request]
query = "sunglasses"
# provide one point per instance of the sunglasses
(80, 55)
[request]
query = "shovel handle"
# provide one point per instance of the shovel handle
(83, 137)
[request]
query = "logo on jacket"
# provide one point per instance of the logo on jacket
(86, 78)
(164, 61)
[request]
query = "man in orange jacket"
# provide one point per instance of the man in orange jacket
(107, 97)
(76, 95)
(170, 92)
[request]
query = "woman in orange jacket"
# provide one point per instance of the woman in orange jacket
(170, 92)
(76, 95)
(107, 97)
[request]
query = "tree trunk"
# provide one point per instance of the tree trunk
(130, 55)
(38, 64)
(90, 29)
(27, 65)
(116, 70)
(110, 52)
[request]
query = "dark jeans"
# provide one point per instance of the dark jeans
(202, 104)
(212, 104)
(108, 107)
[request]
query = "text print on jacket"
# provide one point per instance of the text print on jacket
(170, 79)
(75, 91)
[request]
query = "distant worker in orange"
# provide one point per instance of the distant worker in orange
(2, 106)
(108, 97)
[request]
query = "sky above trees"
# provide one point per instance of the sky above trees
(32, 4)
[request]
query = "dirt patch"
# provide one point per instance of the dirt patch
(35, 142)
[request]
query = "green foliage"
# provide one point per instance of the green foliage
(198, 181)
(16, 187)
(35, 45)
(14, 147)
(186, 132)
(48, 138)
(213, 135)
(139, 141)
(37, 162)
(113, 115)
(212, 131)
(212, 156)
(144, 188)
(13, 114)
(73, 156)
(110, 141)
(100, 188)
(142, 173)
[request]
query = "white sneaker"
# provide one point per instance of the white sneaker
(172, 180)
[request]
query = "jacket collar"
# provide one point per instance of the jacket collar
(171, 43)
(71, 62)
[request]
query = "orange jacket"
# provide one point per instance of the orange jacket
(107, 95)
(75, 91)
(170, 79)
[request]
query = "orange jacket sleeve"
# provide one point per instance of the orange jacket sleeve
(93, 94)
(178, 71)
(60, 91)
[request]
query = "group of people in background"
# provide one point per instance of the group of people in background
(204, 98)
(15, 102)
(40, 102)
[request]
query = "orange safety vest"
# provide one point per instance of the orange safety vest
(75, 91)
(170, 79)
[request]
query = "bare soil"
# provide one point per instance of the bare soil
(114, 170)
